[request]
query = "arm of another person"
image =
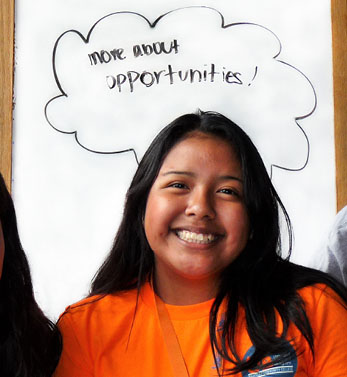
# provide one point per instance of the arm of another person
(334, 254)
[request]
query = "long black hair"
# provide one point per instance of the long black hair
(260, 279)
(30, 344)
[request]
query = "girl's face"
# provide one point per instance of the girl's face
(196, 221)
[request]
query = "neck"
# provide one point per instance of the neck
(175, 290)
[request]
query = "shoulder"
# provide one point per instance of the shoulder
(320, 292)
(323, 303)
(99, 308)
(316, 291)
(100, 319)
(327, 314)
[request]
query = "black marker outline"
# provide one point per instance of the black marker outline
(153, 25)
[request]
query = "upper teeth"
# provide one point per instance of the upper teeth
(195, 237)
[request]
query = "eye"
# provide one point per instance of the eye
(229, 191)
(178, 185)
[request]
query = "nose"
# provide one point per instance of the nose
(200, 204)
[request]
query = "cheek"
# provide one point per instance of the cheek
(160, 212)
(155, 222)
(238, 223)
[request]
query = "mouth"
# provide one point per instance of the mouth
(200, 238)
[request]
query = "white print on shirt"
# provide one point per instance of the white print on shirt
(285, 369)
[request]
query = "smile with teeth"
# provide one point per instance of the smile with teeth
(201, 238)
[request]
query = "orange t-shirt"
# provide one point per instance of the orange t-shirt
(103, 338)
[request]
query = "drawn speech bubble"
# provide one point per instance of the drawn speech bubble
(129, 77)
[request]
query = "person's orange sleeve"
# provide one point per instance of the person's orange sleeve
(73, 362)
(329, 324)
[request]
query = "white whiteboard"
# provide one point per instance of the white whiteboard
(106, 76)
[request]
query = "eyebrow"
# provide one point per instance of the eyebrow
(177, 172)
(190, 174)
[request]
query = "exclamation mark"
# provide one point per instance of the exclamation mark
(255, 74)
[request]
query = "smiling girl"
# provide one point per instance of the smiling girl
(195, 284)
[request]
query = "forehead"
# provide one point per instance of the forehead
(200, 148)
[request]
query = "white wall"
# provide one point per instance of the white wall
(69, 200)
